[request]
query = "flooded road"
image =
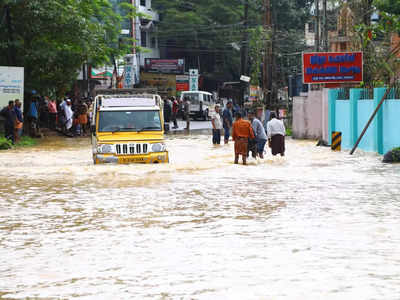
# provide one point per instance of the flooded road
(314, 225)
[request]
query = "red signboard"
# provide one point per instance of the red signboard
(332, 67)
(182, 83)
(168, 66)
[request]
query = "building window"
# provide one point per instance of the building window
(311, 27)
(143, 38)
(143, 2)
(153, 42)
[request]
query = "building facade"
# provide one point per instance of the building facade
(146, 31)
(142, 29)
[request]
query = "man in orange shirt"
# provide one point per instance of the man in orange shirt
(241, 133)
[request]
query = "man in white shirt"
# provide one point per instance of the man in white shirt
(216, 125)
(276, 135)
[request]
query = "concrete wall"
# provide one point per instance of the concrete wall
(310, 115)
(350, 117)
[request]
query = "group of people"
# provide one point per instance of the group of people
(248, 135)
(13, 120)
(175, 108)
(43, 112)
(73, 119)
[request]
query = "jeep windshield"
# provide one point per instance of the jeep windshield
(129, 121)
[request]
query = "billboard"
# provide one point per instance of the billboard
(167, 66)
(11, 84)
(332, 67)
(162, 82)
(182, 83)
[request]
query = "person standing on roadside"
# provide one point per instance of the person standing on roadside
(167, 113)
(69, 114)
(241, 133)
(175, 108)
(216, 125)
(276, 135)
(187, 112)
(19, 120)
(227, 121)
(52, 106)
(33, 117)
(8, 113)
(83, 117)
(259, 132)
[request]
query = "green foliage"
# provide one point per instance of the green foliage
(288, 131)
(380, 57)
(5, 144)
(25, 141)
(209, 33)
(396, 154)
(53, 38)
(257, 44)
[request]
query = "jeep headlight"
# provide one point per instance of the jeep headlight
(158, 147)
(106, 148)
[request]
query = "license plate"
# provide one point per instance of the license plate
(132, 160)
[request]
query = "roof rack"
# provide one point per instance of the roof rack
(125, 91)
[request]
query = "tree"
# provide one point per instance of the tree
(209, 33)
(381, 61)
(53, 38)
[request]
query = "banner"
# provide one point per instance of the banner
(165, 83)
(332, 67)
(11, 85)
(131, 76)
(255, 93)
(182, 83)
(168, 66)
(193, 79)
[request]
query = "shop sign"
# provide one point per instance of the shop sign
(167, 66)
(182, 83)
(332, 67)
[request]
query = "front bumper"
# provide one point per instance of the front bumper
(150, 158)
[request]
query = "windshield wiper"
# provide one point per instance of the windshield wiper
(116, 130)
(123, 128)
(149, 127)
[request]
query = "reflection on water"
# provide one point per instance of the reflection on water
(314, 225)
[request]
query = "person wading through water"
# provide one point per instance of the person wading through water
(259, 132)
(276, 135)
(241, 133)
(187, 112)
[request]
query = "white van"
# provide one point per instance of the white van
(202, 104)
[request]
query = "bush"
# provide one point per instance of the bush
(396, 154)
(5, 144)
(26, 141)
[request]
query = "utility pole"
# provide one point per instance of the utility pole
(325, 29)
(317, 19)
(267, 67)
(133, 29)
(244, 50)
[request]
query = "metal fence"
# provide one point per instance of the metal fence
(344, 94)
(394, 92)
(367, 94)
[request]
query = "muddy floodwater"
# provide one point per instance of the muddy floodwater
(313, 225)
